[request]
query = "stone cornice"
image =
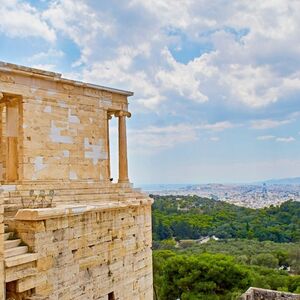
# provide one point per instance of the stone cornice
(52, 76)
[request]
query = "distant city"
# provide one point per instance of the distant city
(253, 195)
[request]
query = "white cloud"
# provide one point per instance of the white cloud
(153, 138)
(268, 123)
(138, 54)
(81, 23)
(20, 19)
(285, 139)
(47, 60)
(117, 72)
(266, 137)
(241, 70)
(253, 86)
(175, 13)
(130, 46)
(180, 78)
(219, 126)
(43, 56)
(47, 67)
(277, 139)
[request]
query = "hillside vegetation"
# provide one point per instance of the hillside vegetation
(258, 248)
(192, 217)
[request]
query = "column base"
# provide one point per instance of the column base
(124, 183)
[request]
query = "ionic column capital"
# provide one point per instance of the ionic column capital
(122, 113)
(109, 116)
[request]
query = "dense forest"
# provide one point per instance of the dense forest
(248, 247)
(213, 277)
(192, 217)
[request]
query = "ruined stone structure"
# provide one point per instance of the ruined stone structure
(263, 294)
(68, 231)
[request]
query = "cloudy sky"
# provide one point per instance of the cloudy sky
(216, 82)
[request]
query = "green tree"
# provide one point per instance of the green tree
(265, 259)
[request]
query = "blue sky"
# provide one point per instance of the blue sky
(217, 83)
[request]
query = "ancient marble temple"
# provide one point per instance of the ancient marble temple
(68, 231)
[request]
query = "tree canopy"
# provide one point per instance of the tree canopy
(193, 217)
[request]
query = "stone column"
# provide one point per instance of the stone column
(2, 287)
(123, 164)
(12, 133)
(109, 116)
(2, 159)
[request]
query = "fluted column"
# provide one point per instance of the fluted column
(123, 163)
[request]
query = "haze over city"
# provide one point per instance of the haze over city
(216, 86)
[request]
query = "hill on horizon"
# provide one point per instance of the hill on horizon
(166, 186)
(292, 180)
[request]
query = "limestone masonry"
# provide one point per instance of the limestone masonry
(66, 230)
(263, 294)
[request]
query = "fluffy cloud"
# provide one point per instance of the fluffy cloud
(133, 45)
(20, 19)
(79, 22)
(180, 78)
(137, 45)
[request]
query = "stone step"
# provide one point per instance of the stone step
(64, 187)
(70, 194)
(54, 184)
(16, 273)
(36, 297)
(29, 283)
(83, 197)
(69, 190)
(20, 259)
(7, 235)
(73, 192)
(15, 251)
(11, 244)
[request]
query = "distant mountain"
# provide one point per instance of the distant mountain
(294, 180)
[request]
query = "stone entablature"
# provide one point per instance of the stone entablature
(264, 294)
